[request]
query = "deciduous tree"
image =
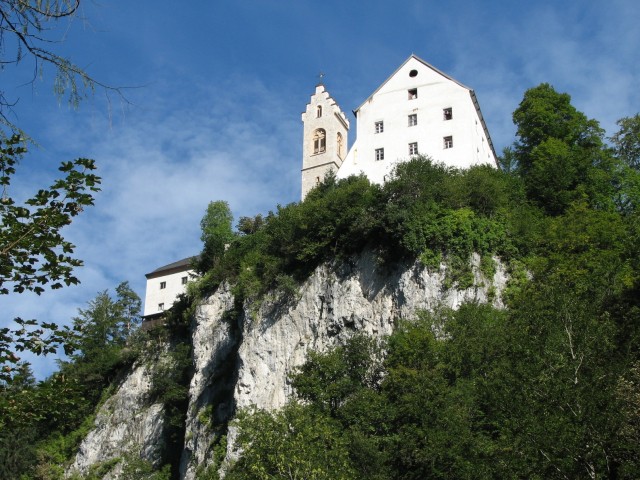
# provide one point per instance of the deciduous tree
(34, 253)
(217, 234)
(560, 152)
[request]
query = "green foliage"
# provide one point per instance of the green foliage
(626, 141)
(219, 453)
(544, 113)
(545, 389)
(33, 251)
(135, 468)
(425, 211)
(99, 470)
(328, 380)
(295, 442)
(54, 415)
(560, 153)
(216, 234)
(628, 395)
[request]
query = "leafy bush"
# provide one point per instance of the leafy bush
(426, 211)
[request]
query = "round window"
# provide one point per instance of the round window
(413, 73)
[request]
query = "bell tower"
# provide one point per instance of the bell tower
(324, 145)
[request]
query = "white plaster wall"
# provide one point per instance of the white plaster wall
(155, 295)
(391, 105)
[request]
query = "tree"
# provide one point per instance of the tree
(217, 234)
(626, 141)
(544, 113)
(295, 442)
(107, 323)
(33, 251)
(560, 153)
(250, 225)
(39, 422)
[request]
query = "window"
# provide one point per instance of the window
(319, 141)
(447, 113)
(379, 154)
(379, 127)
(413, 119)
(184, 280)
(317, 180)
(163, 285)
(319, 111)
(448, 142)
(413, 73)
(340, 144)
(161, 307)
(413, 93)
(413, 148)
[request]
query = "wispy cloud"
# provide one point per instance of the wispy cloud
(160, 168)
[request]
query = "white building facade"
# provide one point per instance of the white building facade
(164, 285)
(417, 110)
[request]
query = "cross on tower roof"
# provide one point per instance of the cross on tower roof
(320, 76)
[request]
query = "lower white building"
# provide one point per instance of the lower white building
(165, 284)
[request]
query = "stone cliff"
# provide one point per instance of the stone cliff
(242, 354)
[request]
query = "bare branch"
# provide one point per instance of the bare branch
(26, 22)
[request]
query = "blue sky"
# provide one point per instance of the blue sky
(217, 92)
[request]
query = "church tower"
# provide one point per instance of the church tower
(324, 145)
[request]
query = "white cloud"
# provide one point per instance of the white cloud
(160, 168)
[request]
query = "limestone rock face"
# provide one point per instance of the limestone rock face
(331, 307)
(243, 354)
(215, 345)
(248, 362)
(125, 424)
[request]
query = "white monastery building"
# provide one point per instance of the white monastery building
(417, 110)
(164, 285)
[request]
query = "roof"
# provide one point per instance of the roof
(181, 265)
(414, 57)
(474, 99)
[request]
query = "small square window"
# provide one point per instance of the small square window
(161, 307)
(184, 280)
(413, 119)
(448, 142)
(163, 285)
(413, 93)
(379, 154)
(447, 113)
(413, 148)
(379, 127)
